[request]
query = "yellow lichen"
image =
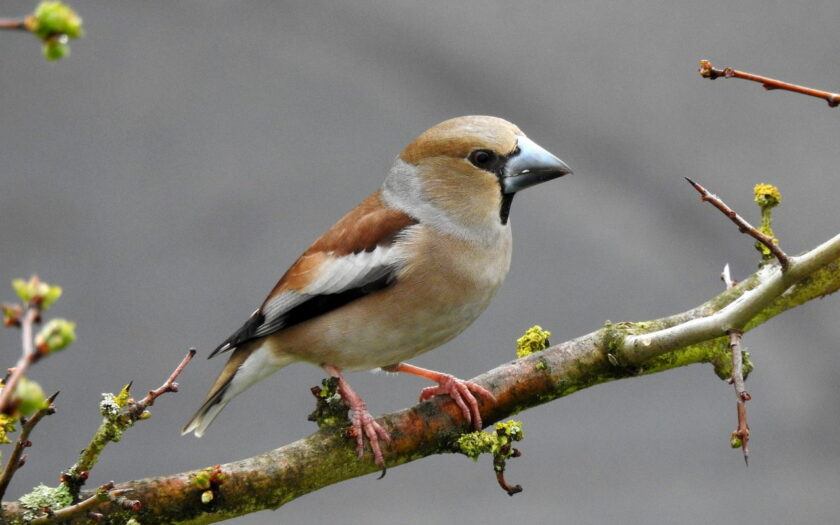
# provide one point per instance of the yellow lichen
(533, 340)
(767, 195)
(7, 425)
(476, 443)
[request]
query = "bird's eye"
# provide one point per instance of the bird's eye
(482, 158)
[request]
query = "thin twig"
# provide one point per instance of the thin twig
(169, 386)
(14, 463)
(76, 475)
(499, 465)
(28, 357)
(708, 71)
(104, 493)
(325, 458)
(743, 430)
(14, 24)
(737, 378)
(743, 225)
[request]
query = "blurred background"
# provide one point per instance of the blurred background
(169, 171)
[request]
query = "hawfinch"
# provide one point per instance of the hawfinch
(405, 271)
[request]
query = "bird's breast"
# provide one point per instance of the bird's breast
(442, 286)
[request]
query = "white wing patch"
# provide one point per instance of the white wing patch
(335, 276)
(352, 271)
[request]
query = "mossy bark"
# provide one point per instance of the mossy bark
(269, 480)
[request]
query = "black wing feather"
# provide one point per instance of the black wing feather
(311, 307)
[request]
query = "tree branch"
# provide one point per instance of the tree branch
(14, 23)
(743, 225)
(114, 423)
(28, 357)
(707, 70)
(15, 460)
(616, 351)
(764, 294)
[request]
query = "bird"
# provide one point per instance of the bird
(405, 271)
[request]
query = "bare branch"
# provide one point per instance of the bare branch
(14, 24)
(103, 493)
(743, 225)
(169, 386)
(708, 71)
(112, 427)
(742, 433)
(28, 357)
(618, 350)
(14, 461)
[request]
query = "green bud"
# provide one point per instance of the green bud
(22, 289)
(31, 397)
(207, 496)
(53, 18)
(201, 480)
(55, 335)
(36, 291)
(145, 415)
(51, 295)
(735, 441)
(11, 314)
(55, 50)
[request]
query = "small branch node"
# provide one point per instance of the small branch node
(743, 225)
(169, 386)
(741, 435)
(17, 458)
(769, 84)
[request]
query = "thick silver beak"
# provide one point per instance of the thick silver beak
(531, 166)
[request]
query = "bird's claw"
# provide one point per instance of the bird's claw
(364, 426)
(462, 392)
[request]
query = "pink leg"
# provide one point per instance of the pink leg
(364, 426)
(459, 390)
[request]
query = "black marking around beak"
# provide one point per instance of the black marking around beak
(528, 166)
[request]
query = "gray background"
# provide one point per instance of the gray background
(169, 171)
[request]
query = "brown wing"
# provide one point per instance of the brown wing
(352, 259)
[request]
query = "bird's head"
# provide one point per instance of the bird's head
(466, 170)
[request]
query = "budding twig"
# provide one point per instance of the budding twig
(28, 357)
(743, 430)
(104, 493)
(742, 433)
(499, 466)
(112, 427)
(743, 225)
(14, 461)
(708, 71)
(169, 386)
(13, 23)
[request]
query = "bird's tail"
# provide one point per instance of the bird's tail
(245, 367)
(207, 413)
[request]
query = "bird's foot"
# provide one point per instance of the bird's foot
(364, 426)
(462, 392)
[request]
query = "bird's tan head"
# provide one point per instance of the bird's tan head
(458, 137)
(468, 169)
